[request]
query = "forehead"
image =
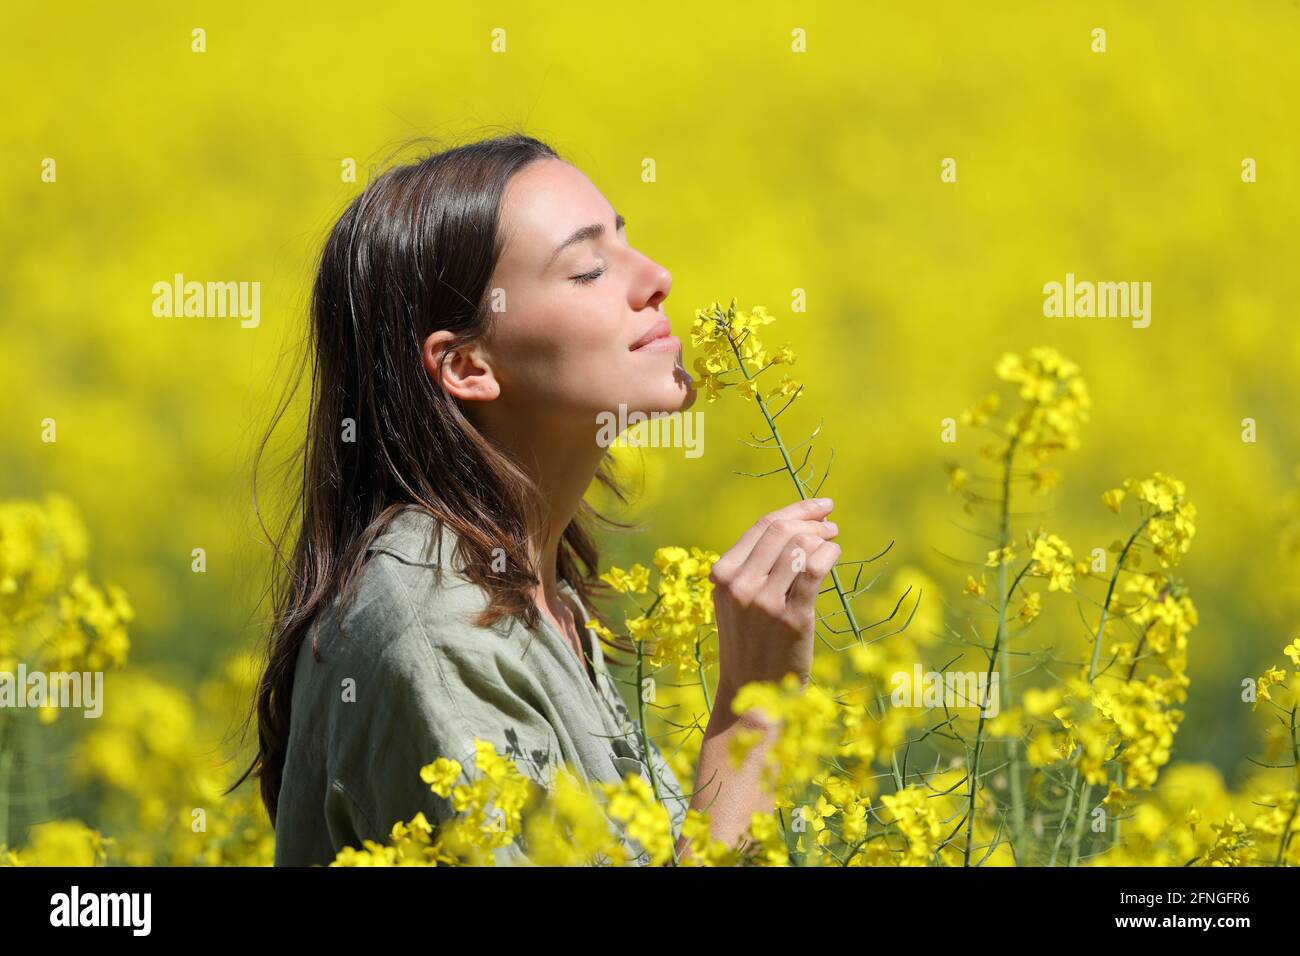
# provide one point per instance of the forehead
(543, 204)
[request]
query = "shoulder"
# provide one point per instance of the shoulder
(409, 610)
(412, 583)
(416, 537)
(396, 662)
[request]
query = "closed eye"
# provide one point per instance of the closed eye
(589, 277)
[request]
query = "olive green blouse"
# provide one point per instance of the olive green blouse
(408, 678)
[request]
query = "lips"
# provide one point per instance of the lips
(660, 330)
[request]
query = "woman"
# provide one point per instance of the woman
(473, 316)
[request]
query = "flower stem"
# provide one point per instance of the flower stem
(1092, 675)
(645, 737)
(1003, 655)
(6, 764)
(1285, 838)
(704, 683)
(794, 476)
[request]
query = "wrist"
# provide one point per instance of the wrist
(723, 720)
(724, 716)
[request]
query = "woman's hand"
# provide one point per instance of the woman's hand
(764, 591)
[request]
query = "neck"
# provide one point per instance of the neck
(563, 465)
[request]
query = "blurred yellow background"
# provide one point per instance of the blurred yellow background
(776, 171)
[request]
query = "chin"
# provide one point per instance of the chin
(689, 398)
(677, 397)
(669, 391)
(681, 395)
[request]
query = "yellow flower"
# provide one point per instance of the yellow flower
(1041, 703)
(1233, 843)
(1292, 651)
(1269, 678)
(1009, 723)
(1044, 479)
(915, 818)
(645, 819)
(982, 412)
(787, 386)
(62, 843)
(1046, 748)
(958, 478)
(768, 840)
(1056, 404)
(1000, 556)
(1054, 560)
(635, 581)
(52, 616)
(807, 730)
(1118, 798)
(441, 775)
(732, 347)
(677, 628)
(1172, 522)
(572, 828)
(704, 850)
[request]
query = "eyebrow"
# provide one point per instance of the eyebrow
(594, 231)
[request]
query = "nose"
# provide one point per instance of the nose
(653, 283)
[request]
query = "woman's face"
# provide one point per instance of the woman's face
(578, 326)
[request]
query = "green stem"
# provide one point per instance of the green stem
(1285, 838)
(1116, 833)
(1078, 824)
(640, 713)
(1115, 830)
(1065, 815)
(704, 684)
(34, 778)
(973, 769)
(1092, 675)
(6, 765)
(794, 476)
(999, 657)
(645, 737)
(1004, 660)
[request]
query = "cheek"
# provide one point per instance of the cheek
(583, 325)
(573, 343)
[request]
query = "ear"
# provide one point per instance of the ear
(463, 374)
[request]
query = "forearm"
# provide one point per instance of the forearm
(731, 794)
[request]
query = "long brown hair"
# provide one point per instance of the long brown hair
(412, 254)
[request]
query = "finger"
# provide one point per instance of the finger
(808, 583)
(767, 553)
(810, 509)
(792, 561)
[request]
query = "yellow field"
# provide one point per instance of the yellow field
(895, 183)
